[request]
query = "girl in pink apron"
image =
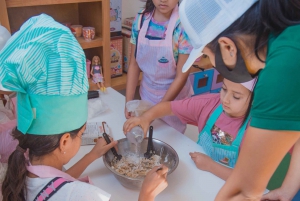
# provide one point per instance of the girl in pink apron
(51, 117)
(159, 55)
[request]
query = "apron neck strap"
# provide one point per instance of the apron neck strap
(241, 133)
(171, 25)
(214, 116)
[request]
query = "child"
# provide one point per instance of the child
(52, 112)
(221, 120)
(159, 49)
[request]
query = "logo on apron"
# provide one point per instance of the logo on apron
(225, 161)
(163, 60)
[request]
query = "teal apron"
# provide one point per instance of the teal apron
(224, 154)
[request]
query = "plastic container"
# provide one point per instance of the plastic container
(67, 24)
(77, 29)
(88, 33)
(138, 107)
(136, 135)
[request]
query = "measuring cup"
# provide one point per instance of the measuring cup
(136, 135)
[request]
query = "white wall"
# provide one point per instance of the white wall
(131, 7)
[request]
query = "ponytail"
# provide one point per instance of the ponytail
(14, 184)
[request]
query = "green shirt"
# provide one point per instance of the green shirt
(276, 103)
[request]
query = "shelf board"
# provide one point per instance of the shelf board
(97, 42)
(119, 83)
(22, 3)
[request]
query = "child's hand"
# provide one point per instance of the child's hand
(136, 121)
(277, 194)
(102, 147)
(202, 161)
(154, 183)
(127, 114)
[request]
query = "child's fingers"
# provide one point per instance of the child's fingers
(127, 125)
(112, 144)
(193, 154)
(154, 169)
(162, 170)
(131, 123)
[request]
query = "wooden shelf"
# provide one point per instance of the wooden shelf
(97, 42)
(119, 83)
(22, 3)
(94, 13)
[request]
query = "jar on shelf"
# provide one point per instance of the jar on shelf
(88, 33)
(77, 29)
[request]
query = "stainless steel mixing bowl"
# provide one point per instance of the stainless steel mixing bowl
(168, 155)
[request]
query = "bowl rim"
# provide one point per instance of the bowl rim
(141, 179)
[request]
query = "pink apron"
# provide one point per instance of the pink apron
(44, 171)
(156, 59)
(7, 142)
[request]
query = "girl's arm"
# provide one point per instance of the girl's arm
(179, 80)
(132, 78)
(261, 153)
(160, 110)
(205, 163)
(99, 149)
(291, 183)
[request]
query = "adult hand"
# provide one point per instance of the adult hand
(202, 161)
(278, 195)
(141, 121)
(154, 183)
(102, 147)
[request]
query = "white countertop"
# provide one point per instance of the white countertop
(186, 183)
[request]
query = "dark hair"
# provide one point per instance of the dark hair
(14, 186)
(280, 14)
(262, 18)
(149, 7)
